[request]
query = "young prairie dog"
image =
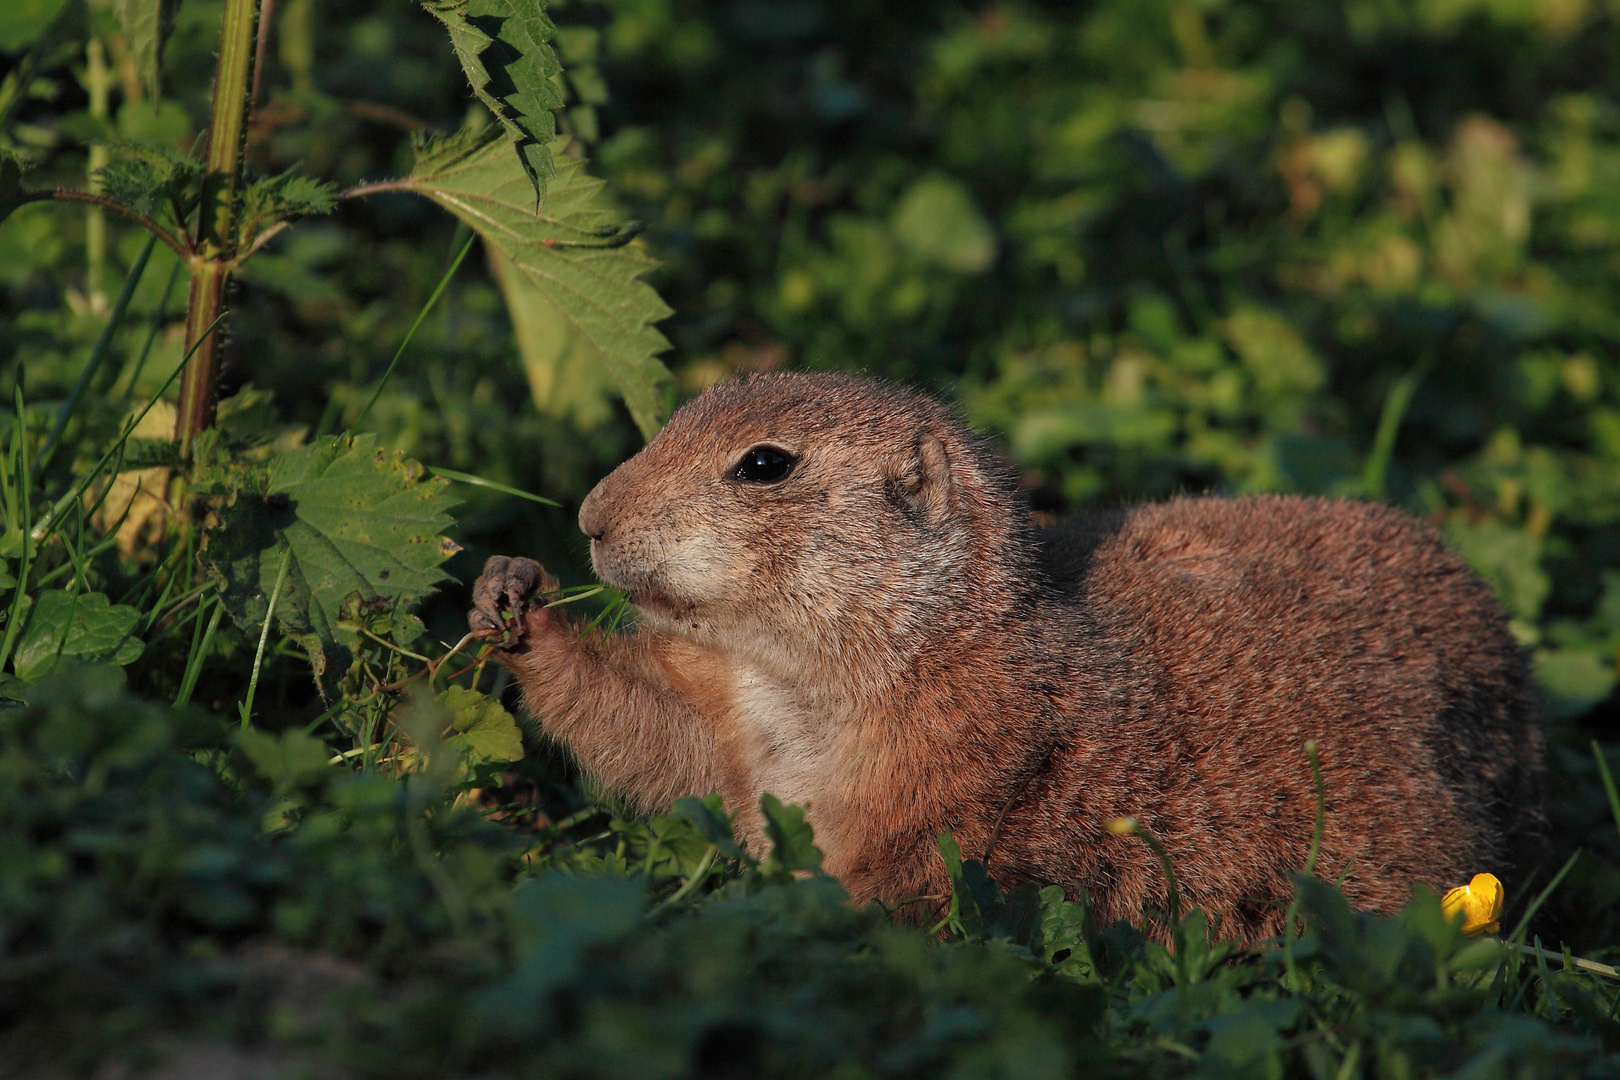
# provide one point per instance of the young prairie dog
(843, 602)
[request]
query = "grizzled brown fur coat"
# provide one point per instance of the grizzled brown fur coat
(843, 602)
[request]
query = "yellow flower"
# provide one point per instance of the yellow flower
(1479, 902)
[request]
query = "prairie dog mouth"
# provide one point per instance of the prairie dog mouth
(659, 601)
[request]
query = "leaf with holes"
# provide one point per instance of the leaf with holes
(571, 275)
(86, 626)
(348, 517)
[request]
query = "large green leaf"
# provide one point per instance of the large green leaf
(83, 625)
(503, 46)
(571, 276)
(346, 516)
(146, 25)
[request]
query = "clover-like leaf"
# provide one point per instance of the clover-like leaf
(87, 626)
(793, 846)
(346, 516)
(504, 48)
(572, 278)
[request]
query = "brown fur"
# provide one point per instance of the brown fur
(885, 638)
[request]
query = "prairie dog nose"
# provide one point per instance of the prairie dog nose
(593, 520)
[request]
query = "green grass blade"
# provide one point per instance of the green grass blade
(97, 354)
(1517, 936)
(479, 481)
(200, 640)
(264, 636)
(1608, 783)
(152, 331)
(19, 454)
(60, 509)
(411, 333)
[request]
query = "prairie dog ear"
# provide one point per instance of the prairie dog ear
(925, 484)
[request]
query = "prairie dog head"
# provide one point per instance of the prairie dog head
(787, 512)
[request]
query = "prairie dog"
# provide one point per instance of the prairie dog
(843, 602)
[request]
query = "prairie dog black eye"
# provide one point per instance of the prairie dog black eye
(763, 465)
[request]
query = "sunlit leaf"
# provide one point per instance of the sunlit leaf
(575, 278)
(937, 219)
(356, 518)
(503, 46)
(483, 731)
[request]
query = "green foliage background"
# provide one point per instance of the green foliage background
(1362, 247)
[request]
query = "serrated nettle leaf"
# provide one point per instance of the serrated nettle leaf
(503, 46)
(87, 626)
(155, 180)
(482, 730)
(286, 195)
(147, 25)
(355, 518)
(571, 276)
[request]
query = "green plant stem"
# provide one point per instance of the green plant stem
(1524, 920)
(264, 635)
(411, 333)
(97, 354)
(693, 880)
(98, 83)
(216, 219)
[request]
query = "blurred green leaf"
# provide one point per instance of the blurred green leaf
(793, 847)
(86, 626)
(147, 25)
(574, 281)
(290, 760)
(503, 46)
(11, 186)
(937, 219)
(23, 21)
(1573, 680)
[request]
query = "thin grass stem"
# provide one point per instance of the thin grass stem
(411, 333)
(264, 635)
(97, 354)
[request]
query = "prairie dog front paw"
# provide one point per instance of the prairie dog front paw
(508, 599)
